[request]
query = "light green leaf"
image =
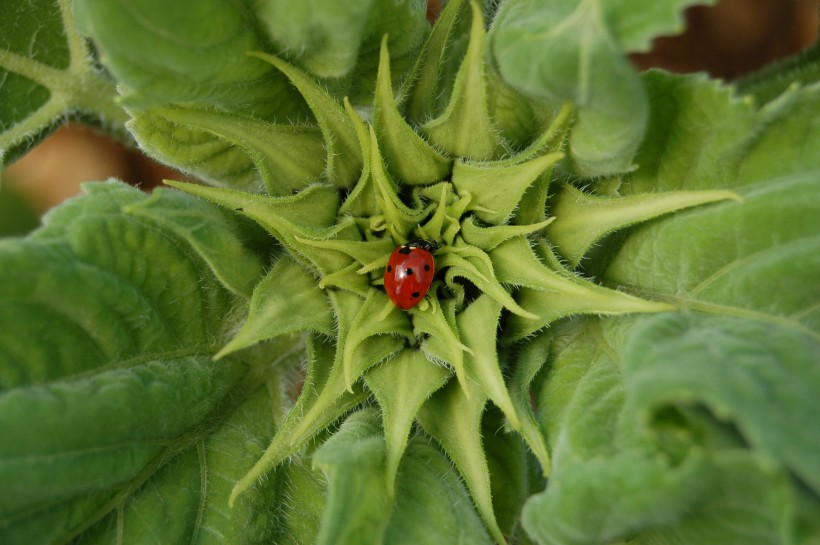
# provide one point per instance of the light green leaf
(496, 189)
(425, 79)
(453, 417)
(583, 219)
(322, 401)
(46, 76)
(409, 157)
(163, 54)
(322, 36)
(401, 386)
(358, 504)
(562, 51)
(214, 234)
(465, 129)
(340, 41)
(287, 157)
(286, 300)
(199, 153)
(344, 156)
(758, 375)
(731, 259)
(430, 490)
(120, 379)
(690, 420)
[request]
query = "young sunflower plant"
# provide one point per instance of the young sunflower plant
(618, 345)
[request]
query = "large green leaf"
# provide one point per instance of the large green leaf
(332, 39)
(107, 381)
(559, 50)
(47, 75)
(681, 433)
(730, 258)
(695, 419)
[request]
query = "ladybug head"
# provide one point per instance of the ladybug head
(423, 244)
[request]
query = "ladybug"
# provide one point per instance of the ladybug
(409, 273)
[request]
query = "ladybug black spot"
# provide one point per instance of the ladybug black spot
(405, 250)
(426, 267)
(415, 295)
(408, 271)
(389, 268)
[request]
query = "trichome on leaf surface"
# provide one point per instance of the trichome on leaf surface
(619, 344)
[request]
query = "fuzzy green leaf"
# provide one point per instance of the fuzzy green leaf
(358, 504)
(286, 300)
(409, 157)
(338, 41)
(121, 379)
(197, 152)
(401, 386)
(465, 129)
(187, 496)
(287, 157)
(430, 490)
(425, 77)
(496, 189)
(453, 417)
(563, 51)
(47, 75)
(654, 410)
(344, 157)
(730, 259)
(583, 219)
(163, 54)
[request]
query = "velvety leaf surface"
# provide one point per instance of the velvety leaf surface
(107, 382)
(696, 419)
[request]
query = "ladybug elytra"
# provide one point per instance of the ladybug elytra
(409, 273)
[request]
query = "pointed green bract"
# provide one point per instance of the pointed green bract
(425, 77)
(286, 301)
(465, 129)
(369, 323)
(401, 386)
(487, 238)
(454, 419)
(343, 155)
(497, 190)
(409, 157)
(287, 157)
(401, 219)
(322, 401)
(550, 295)
(528, 362)
(582, 219)
(478, 325)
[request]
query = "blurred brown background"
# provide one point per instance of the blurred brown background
(728, 40)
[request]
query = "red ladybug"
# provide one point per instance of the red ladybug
(409, 273)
